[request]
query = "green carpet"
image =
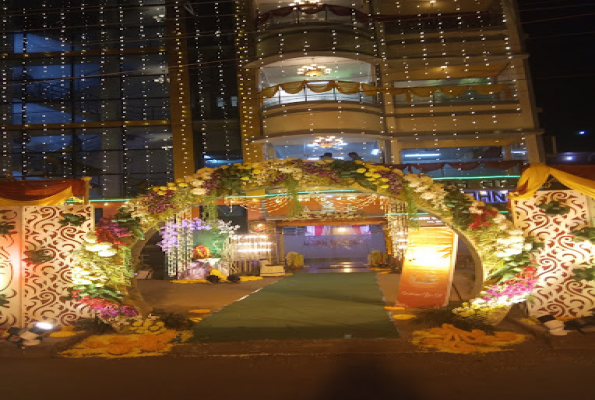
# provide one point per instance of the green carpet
(304, 306)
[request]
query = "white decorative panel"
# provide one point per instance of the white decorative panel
(556, 292)
(35, 291)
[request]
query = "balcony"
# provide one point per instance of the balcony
(315, 91)
(307, 14)
(314, 27)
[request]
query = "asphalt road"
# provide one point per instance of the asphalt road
(536, 374)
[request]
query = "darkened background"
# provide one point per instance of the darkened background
(560, 39)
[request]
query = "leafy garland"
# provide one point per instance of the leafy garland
(3, 300)
(554, 208)
(584, 274)
(505, 252)
(6, 229)
(584, 234)
(72, 219)
(36, 257)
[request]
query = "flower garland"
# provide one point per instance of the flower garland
(506, 254)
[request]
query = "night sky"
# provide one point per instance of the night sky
(562, 60)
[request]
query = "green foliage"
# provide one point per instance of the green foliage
(513, 265)
(292, 185)
(412, 208)
(585, 234)
(437, 317)
(210, 213)
(3, 300)
(37, 257)
(587, 274)
(459, 204)
(93, 291)
(554, 208)
(111, 272)
(125, 219)
(72, 219)
(6, 228)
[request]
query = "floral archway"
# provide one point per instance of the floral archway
(103, 269)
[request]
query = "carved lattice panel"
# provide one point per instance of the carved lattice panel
(10, 266)
(556, 292)
(46, 283)
(35, 291)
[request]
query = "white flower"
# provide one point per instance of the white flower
(107, 253)
(198, 191)
(90, 237)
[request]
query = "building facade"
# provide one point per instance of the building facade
(137, 92)
(395, 81)
(130, 92)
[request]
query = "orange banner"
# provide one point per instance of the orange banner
(427, 268)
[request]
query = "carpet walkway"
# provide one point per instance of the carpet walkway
(304, 306)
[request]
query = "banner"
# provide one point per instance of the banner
(427, 268)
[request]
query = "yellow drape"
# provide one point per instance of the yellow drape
(348, 87)
(320, 87)
(536, 175)
(269, 92)
(371, 90)
(56, 199)
(293, 87)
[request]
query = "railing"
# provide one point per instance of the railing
(307, 95)
(447, 22)
(470, 96)
(311, 14)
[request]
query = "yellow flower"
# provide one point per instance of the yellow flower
(245, 178)
(173, 188)
(256, 171)
(359, 162)
(224, 167)
(377, 175)
(161, 193)
(163, 188)
(180, 180)
(404, 317)
(171, 184)
(384, 179)
(384, 186)
(156, 189)
(361, 170)
(368, 174)
(183, 185)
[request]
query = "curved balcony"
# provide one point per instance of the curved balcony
(310, 14)
(314, 91)
(330, 106)
(307, 27)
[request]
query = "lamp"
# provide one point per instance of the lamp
(328, 142)
(23, 337)
(304, 2)
(313, 70)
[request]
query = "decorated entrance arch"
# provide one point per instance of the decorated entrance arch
(103, 268)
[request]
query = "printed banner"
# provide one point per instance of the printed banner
(427, 268)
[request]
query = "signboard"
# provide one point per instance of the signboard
(427, 268)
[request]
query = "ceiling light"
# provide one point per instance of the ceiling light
(313, 70)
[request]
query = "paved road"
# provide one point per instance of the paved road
(536, 374)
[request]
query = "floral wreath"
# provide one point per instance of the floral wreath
(103, 268)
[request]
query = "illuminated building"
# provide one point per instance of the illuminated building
(133, 93)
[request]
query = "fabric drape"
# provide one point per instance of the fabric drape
(346, 87)
(39, 193)
(537, 174)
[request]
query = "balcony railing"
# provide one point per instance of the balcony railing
(453, 94)
(445, 22)
(297, 92)
(310, 14)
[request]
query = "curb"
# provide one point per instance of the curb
(50, 347)
(573, 341)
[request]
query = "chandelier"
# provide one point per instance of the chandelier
(328, 142)
(304, 2)
(313, 70)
